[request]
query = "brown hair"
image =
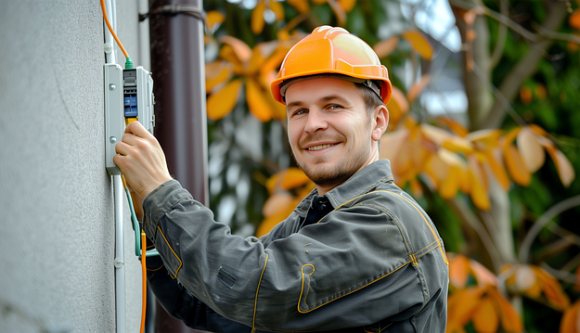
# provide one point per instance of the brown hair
(372, 100)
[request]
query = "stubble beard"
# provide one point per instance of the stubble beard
(337, 174)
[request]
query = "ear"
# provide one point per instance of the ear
(381, 121)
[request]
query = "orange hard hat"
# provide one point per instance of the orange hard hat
(333, 52)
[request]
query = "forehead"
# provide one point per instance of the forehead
(314, 89)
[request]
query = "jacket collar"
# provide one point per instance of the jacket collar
(361, 182)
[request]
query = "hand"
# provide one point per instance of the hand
(141, 160)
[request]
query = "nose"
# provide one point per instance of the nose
(315, 121)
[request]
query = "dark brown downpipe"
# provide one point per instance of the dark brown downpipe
(177, 64)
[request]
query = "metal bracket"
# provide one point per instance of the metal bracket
(114, 119)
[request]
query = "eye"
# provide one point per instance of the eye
(335, 106)
(299, 112)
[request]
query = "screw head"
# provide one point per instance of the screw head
(112, 139)
(112, 87)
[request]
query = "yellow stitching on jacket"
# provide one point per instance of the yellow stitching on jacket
(302, 286)
(176, 256)
(156, 269)
(432, 231)
(414, 260)
(421, 256)
(257, 290)
(413, 256)
(353, 291)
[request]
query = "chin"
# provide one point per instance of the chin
(330, 176)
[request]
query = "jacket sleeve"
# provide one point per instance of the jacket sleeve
(355, 258)
(181, 304)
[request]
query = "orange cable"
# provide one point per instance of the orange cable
(111, 29)
(144, 267)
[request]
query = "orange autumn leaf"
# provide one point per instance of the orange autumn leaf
(273, 61)
(257, 102)
(458, 145)
(294, 177)
(397, 107)
(276, 203)
(419, 43)
(259, 54)
(223, 102)
(571, 319)
(510, 319)
(454, 126)
(464, 182)
(241, 50)
(347, 5)
(449, 187)
(515, 166)
(483, 275)
(485, 318)
(530, 149)
(461, 306)
(385, 47)
(563, 165)
(574, 20)
(497, 169)
(216, 73)
(459, 267)
(552, 289)
(227, 53)
(213, 18)
(418, 87)
(270, 222)
(301, 5)
(478, 193)
(257, 20)
(526, 95)
(391, 144)
(278, 9)
(485, 139)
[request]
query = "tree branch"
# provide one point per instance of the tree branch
(501, 36)
(468, 216)
(555, 210)
(543, 33)
(524, 68)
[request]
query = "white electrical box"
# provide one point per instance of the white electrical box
(128, 94)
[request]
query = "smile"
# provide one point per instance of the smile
(320, 147)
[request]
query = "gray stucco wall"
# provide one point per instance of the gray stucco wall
(56, 202)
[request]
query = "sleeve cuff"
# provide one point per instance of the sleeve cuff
(160, 201)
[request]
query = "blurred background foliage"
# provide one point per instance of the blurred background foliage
(484, 133)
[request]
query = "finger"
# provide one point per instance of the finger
(123, 148)
(137, 129)
(130, 139)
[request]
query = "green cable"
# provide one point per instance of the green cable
(149, 253)
(136, 227)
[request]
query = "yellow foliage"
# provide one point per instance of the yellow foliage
(419, 43)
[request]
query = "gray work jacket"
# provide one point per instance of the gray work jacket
(373, 263)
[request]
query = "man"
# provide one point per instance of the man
(356, 255)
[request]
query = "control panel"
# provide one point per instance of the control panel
(128, 95)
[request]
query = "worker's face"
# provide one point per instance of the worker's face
(329, 130)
